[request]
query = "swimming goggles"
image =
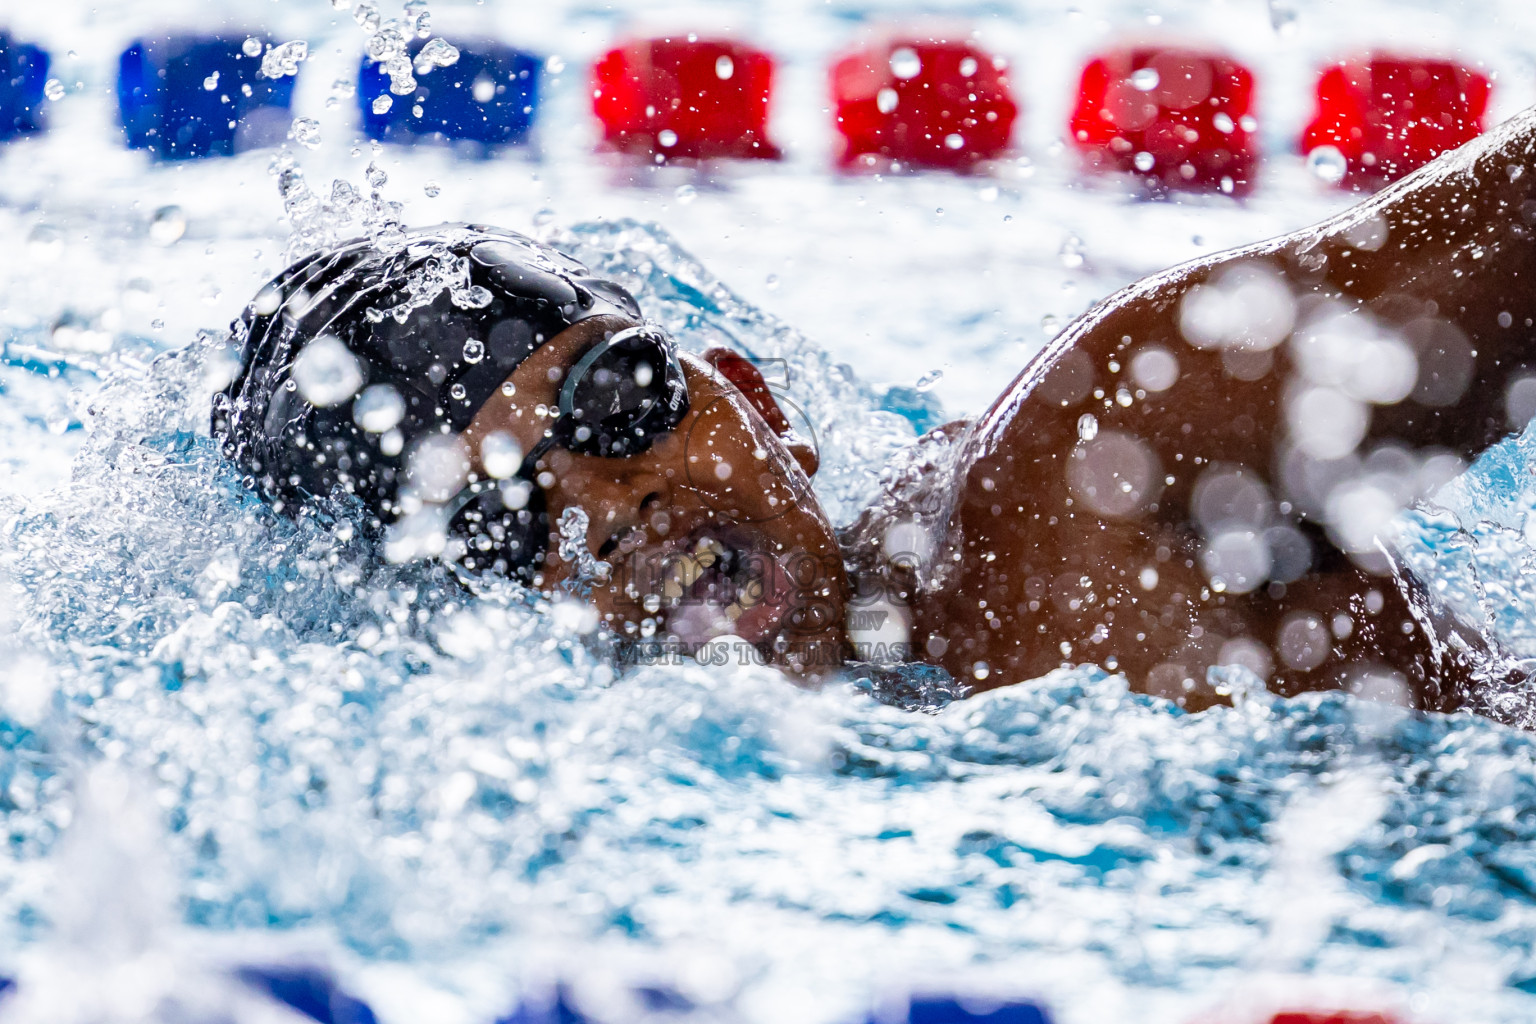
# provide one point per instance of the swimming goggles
(624, 392)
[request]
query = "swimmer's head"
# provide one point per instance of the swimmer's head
(472, 387)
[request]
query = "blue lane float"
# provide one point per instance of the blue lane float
(488, 97)
(555, 1006)
(949, 1010)
(23, 76)
(182, 97)
(309, 991)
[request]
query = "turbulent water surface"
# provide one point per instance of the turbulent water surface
(225, 735)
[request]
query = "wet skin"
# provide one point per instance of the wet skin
(722, 487)
(1079, 527)
(1081, 541)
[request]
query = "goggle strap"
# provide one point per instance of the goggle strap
(469, 492)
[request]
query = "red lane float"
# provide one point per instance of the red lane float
(1324, 1017)
(1386, 116)
(922, 102)
(1178, 118)
(685, 98)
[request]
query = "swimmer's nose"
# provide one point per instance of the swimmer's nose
(620, 496)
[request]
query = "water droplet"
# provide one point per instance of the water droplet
(1071, 254)
(1368, 233)
(1304, 641)
(1087, 426)
(1115, 475)
(438, 464)
(1236, 561)
(484, 89)
(954, 141)
(905, 63)
(968, 66)
(251, 47)
(555, 65)
(473, 297)
(282, 61)
(267, 301)
(344, 194)
(432, 189)
(1326, 423)
(382, 104)
(929, 379)
(724, 67)
(1328, 164)
(500, 455)
(306, 132)
(686, 194)
(377, 177)
(54, 90)
(515, 493)
(456, 391)
(474, 350)
(1144, 161)
(666, 138)
(327, 373)
(157, 324)
(886, 100)
(1154, 369)
(772, 281)
(378, 408)
(1145, 79)
(169, 224)
(438, 53)
(211, 82)
(1223, 123)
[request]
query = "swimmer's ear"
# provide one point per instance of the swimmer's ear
(749, 381)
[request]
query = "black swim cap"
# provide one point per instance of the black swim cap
(352, 355)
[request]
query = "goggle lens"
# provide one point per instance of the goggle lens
(625, 392)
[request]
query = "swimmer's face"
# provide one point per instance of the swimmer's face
(712, 531)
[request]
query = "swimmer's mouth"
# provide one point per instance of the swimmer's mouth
(716, 582)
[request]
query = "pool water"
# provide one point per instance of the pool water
(226, 736)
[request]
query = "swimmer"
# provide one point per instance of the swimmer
(481, 396)
(1194, 474)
